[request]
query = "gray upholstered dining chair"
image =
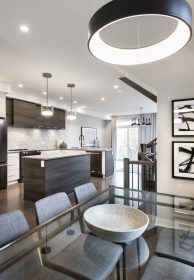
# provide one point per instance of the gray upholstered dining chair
(84, 257)
(84, 192)
(165, 269)
(13, 225)
(176, 244)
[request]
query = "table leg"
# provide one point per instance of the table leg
(124, 262)
(118, 270)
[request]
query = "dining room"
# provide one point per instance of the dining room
(96, 140)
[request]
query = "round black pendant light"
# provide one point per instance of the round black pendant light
(117, 10)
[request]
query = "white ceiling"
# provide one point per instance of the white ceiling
(57, 43)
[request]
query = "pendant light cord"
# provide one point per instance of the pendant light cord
(47, 91)
(71, 98)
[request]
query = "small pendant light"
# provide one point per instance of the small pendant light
(46, 109)
(71, 115)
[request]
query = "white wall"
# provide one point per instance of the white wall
(166, 183)
(47, 138)
(2, 104)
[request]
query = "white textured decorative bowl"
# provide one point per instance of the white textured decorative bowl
(115, 222)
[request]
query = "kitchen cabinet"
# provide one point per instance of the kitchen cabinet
(96, 163)
(102, 162)
(9, 111)
(26, 114)
(13, 168)
(57, 121)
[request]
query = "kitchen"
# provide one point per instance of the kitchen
(46, 141)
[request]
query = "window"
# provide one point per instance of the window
(127, 142)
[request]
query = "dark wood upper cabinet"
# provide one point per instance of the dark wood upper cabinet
(24, 114)
(57, 121)
(9, 111)
(28, 115)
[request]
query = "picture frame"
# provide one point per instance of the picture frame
(89, 135)
(183, 117)
(183, 160)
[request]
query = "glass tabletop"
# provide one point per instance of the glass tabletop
(46, 248)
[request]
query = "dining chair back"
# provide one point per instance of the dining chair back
(84, 192)
(50, 206)
(13, 225)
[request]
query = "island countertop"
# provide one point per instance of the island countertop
(49, 155)
(92, 149)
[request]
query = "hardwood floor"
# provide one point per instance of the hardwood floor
(12, 197)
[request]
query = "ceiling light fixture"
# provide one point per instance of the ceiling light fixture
(74, 102)
(61, 97)
(71, 115)
(24, 28)
(46, 109)
(116, 86)
(44, 92)
(20, 86)
(143, 122)
(118, 10)
(102, 99)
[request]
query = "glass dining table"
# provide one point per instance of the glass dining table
(169, 234)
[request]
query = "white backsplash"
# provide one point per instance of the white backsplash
(27, 138)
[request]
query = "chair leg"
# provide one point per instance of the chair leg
(118, 270)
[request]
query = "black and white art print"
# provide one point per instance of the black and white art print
(183, 117)
(183, 160)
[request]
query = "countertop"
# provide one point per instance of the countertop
(49, 155)
(91, 149)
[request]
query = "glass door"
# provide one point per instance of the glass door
(122, 143)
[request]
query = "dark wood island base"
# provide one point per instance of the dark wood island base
(43, 177)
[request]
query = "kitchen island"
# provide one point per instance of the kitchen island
(102, 161)
(52, 172)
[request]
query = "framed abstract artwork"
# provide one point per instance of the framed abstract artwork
(183, 160)
(183, 118)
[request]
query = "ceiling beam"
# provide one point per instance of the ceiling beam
(139, 88)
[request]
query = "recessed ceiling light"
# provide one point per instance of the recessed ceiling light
(61, 98)
(116, 86)
(75, 102)
(20, 86)
(44, 93)
(83, 107)
(102, 99)
(24, 28)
